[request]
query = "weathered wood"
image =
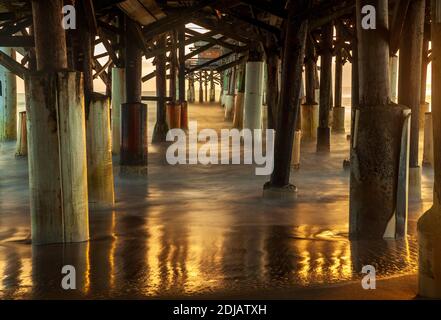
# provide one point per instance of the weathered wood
(181, 74)
(208, 38)
(310, 109)
(393, 75)
(272, 81)
(378, 181)
(191, 95)
(355, 89)
(409, 83)
(424, 68)
(338, 112)
(50, 38)
(118, 98)
(8, 99)
(232, 64)
(133, 55)
(429, 225)
(240, 98)
(206, 84)
(173, 114)
(338, 83)
(12, 65)
(289, 103)
(85, 37)
(268, 7)
(17, 41)
(428, 140)
(170, 22)
(397, 25)
(323, 130)
(99, 154)
(201, 90)
(310, 69)
(21, 149)
(373, 49)
(212, 87)
(134, 142)
(57, 136)
(173, 65)
(161, 127)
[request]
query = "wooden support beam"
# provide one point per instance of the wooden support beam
(154, 98)
(50, 37)
(16, 26)
(161, 127)
(199, 37)
(429, 224)
(181, 56)
(12, 65)
(397, 25)
(409, 83)
(110, 28)
(323, 131)
(89, 11)
(100, 70)
(173, 20)
(333, 15)
(255, 22)
(219, 41)
(107, 44)
(152, 74)
(225, 29)
(17, 41)
(208, 63)
(267, 7)
(198, 51)
(289, 103)
(232, 64)
(103, 75)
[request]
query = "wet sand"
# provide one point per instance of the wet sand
(205, 231)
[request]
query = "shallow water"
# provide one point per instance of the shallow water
(201, 230)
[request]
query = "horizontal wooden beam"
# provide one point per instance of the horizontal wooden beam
(154, 98)
(152, 74)
(224, 29)
(231, 64)
(219, 41)
(17, 41)
(173, 21)
(255, 22)
(199, 37)
(208, 63)
(16, 26)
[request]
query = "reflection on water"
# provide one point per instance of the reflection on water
(200, 230)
